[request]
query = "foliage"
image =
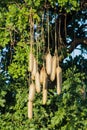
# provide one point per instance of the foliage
(67, 111)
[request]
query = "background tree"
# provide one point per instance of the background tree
(66, 111)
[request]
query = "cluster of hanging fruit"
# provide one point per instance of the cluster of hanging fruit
(39, 77)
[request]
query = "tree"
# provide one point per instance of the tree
(66, 111)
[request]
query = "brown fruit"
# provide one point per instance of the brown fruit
(30, 66)
(30, 109)
(59, 79)
(34, 70)
(42, 74)
(48, 63)
(53, 73)
(37, 82)
(44, 96)
(45, 80)
(31, 92)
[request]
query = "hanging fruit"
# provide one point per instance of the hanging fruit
(59, 79)
(44, 96)
(48, 56)
(48, 63)
(34, 70)
(45, 80)
(51, 68)
(45, 83)
(54, 59)
(31, 92)
(37, 82)
(54, 64)
(30, 109)
(42, 74)
(30, 66)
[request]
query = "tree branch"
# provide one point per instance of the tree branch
(75, 43)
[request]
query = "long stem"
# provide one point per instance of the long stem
(48, 30)
(65, 25)
(43, 40)
(31, 30)
(59, 30)
(59, 37)
(55, 37)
